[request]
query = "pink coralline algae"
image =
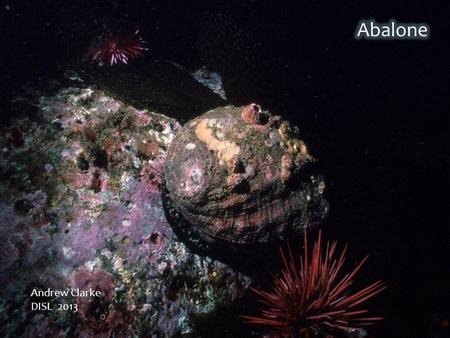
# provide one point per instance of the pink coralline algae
(95, 312)
(96, 220)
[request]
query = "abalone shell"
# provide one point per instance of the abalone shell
(241, 175)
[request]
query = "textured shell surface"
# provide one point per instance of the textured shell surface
(241, 175)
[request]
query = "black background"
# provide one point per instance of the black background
(373, 112)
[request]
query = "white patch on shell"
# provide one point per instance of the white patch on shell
(226, 150)
(210, 122)
(190, 146)
(194, 179)
(248, 171)
(220, 135)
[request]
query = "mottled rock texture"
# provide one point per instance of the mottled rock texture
(80, 207)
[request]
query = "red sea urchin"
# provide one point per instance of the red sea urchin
(312, 295)
(114, 48)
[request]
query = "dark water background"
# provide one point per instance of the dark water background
(374, 112)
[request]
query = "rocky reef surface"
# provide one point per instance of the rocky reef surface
(80, 208)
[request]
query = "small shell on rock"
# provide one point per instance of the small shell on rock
(253, 114)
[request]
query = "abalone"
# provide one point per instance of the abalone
(243, 176)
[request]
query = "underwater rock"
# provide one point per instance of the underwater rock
(155, 84)
(96, 220)
(242, 176)
(210, 80)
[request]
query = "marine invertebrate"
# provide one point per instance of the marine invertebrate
(253, 114)
(315, 294)
(112, 48)
(233, 175)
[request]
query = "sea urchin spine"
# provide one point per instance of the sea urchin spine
(110, 48)
(313, 295)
